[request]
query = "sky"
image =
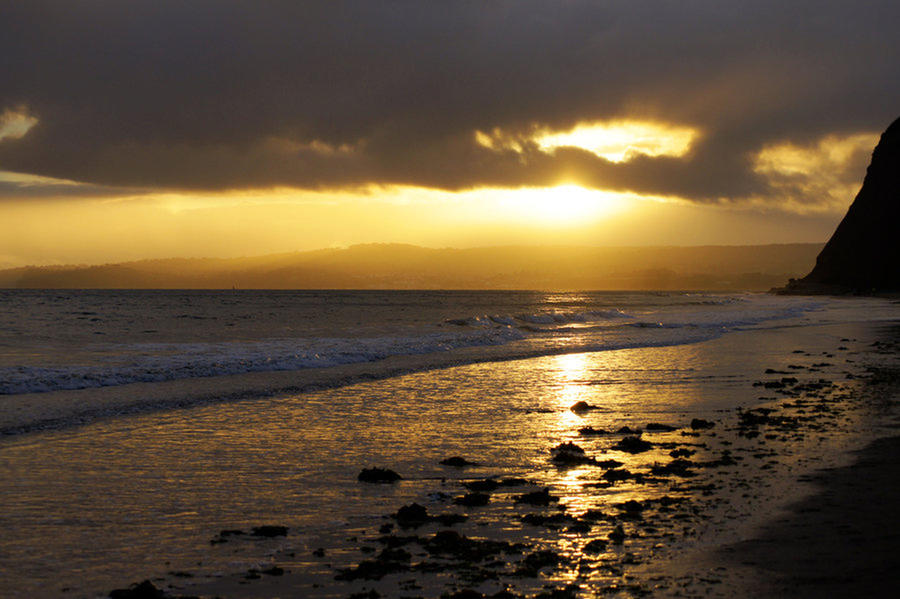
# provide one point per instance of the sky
(132, 129)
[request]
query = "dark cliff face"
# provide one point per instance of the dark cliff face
(863, 254)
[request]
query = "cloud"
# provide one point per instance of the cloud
(210, 95)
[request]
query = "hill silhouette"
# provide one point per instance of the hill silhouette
(863, 254)
(396, 266)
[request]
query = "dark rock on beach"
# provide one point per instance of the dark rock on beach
(627, 430)
(588, 431)
(269, 531)
(378, 475)
(570, 454)
(595, 546)
(143, 590)
(542, 497)
(657, 427)
(633, 445)
(482, 486)
(412, 516)
(458, 462)
(473, 499)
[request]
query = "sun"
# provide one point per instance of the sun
(566, 203)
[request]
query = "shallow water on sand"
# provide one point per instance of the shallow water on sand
(88, 509)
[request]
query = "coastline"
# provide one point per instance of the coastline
(834, 532)
(671, 546)
(842, 541)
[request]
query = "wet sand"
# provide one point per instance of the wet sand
(843, 541)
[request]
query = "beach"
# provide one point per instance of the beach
(173, 481)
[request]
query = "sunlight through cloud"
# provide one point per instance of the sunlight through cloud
(14, 124)
(620, 141)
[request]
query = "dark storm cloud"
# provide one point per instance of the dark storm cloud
(225, 94)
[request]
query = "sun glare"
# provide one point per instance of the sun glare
(560, 204)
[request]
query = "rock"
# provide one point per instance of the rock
(473, 499)
(610, 463)
(615, 475)
(582, 406)
(553, 521)
(378, 475)
(143, 590)
(570, 454)
(453, 544)
(458, 462)
(231, 533)
(542, 497)
(655, 426)
(863, 254)
(617, 536)
(273, 571)
(633, 445)
(411, 516)
(677, 467)
(595, 546)
(626, 430)
(225, 535)
(589, 431)
(682, 452)
(536, 561)
(269, 531)
(700, 423)
(568, 447)
(482, 486)
(371, 570)
(632, 507)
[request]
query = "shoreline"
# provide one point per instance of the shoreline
(842, 541)
(834, 533)
(702, 491)
(54, 410)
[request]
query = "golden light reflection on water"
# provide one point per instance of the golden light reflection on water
(572, 376)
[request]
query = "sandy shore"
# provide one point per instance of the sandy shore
(843, 541)
(838, 535)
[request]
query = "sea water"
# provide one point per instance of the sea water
(85, 509)
(53, 340)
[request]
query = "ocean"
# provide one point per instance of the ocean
(97, 500)
(55, 340)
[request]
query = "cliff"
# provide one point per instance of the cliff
(863, 254)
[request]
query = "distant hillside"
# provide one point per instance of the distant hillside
(394, 266)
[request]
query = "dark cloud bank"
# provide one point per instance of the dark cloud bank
(225, 94)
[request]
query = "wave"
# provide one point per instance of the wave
(543, 332)
(159, 362)
(549, 317)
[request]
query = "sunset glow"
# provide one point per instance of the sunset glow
(619, 141)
